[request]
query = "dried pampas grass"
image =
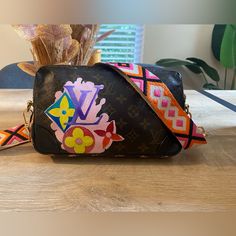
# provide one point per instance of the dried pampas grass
(60, 44)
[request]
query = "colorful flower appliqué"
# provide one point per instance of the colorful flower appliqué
(61, 111)
(108, 135)
(76, 122)
(78, 140)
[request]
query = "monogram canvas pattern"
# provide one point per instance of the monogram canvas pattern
(164, 104)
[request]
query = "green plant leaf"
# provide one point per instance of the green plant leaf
(210, 86)
(228, 47)
(171, 62)
(210, 71)
(195, 68)
(217, 37)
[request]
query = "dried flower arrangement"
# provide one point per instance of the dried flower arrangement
(59, 44)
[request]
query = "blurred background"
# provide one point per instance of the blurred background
(146, 44)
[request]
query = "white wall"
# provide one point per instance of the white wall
(180, 41)
(12, 47)
(177, 41)
(160, 41)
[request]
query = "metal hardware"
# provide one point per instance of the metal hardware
(203, 131)
(187, 110)
(187, 107)
(27, 114)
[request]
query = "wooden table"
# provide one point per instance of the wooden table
(200, 179)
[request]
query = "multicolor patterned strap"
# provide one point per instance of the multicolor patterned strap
(13, 136)
(164, 104)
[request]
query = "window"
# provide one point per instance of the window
(123, 45)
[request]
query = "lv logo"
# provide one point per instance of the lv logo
(79, 104)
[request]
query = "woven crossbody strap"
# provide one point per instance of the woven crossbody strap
(18, 134)
(14, 136)
(161, 100)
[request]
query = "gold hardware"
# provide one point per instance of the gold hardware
(29, 106)
(27, 114)
(187, 107)
(203, 131)
(187, 111)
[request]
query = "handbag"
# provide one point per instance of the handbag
(112, 109)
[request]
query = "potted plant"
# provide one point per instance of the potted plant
(224, 50)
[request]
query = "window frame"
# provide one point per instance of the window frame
(138, 44)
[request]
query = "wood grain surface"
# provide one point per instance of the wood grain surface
(200, 179)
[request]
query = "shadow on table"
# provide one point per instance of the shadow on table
(192, 157)
(220, 152)
(28, 153)
(20, 150)
(130, 160)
